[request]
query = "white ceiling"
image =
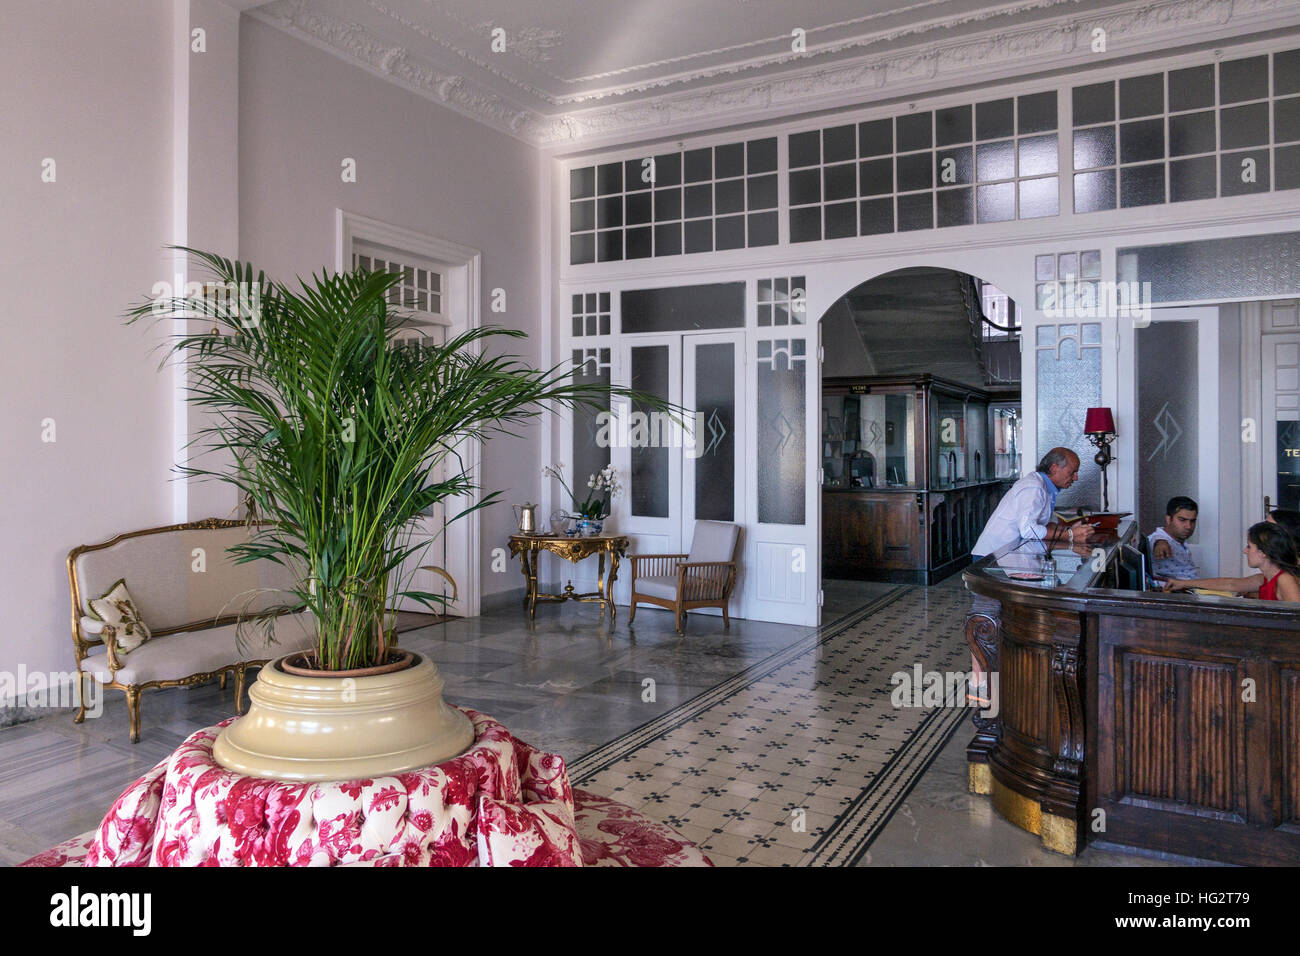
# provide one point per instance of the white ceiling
(583, 70)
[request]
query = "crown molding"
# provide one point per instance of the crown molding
(921, 66)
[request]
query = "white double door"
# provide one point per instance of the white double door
(673, 474)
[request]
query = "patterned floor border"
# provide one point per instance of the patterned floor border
(846, 841)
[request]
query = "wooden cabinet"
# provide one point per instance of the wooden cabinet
(865, 532)
(909, 475)
(1195, 742)
(904, 536)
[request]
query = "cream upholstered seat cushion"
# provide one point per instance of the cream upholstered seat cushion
(713, 541)
(203, 651)
(658, 585)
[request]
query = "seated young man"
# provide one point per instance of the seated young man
(1170, 558)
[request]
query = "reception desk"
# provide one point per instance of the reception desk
(1160, 721)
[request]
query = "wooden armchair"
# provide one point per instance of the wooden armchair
(682, 582)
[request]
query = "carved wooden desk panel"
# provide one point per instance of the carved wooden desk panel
(1151, 720)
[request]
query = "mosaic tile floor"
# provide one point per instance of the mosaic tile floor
(801, 759)
(572, 683)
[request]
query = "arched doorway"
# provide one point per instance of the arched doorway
(920, 424)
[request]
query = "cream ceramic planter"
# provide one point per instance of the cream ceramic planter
(343, 728)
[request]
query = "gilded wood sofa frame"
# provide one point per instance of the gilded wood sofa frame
(83, 645)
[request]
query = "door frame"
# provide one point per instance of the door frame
(464, 266)
(1271, 414)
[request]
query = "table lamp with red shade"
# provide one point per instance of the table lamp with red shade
(1099, 426)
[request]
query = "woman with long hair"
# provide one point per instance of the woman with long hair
(1272, 550)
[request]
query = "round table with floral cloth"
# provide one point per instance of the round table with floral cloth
(501, 803)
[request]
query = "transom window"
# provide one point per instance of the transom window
(422, 286)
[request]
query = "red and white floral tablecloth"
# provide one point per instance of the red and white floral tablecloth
(501, 803)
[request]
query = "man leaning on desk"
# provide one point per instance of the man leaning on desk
(1025, 511)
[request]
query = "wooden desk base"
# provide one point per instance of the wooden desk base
(1056, 832)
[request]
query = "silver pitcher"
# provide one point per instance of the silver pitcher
(526, 516)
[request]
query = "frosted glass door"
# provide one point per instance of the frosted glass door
(646, 448)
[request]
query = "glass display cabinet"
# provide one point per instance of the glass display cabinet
(912, 467)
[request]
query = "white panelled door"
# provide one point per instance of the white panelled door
(676, 474)
(781, 555)
(643, 451)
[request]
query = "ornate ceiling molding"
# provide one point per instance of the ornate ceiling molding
(914, 69)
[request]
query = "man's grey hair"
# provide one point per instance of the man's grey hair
(1057, 456)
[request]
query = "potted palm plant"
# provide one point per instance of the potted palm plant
(339, 436)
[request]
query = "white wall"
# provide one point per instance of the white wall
(845, 353)
(88, 85)
(205, 209)
(418, 166)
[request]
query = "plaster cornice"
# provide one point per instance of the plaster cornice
(922, 65)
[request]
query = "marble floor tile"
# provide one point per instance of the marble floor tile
(807, 728)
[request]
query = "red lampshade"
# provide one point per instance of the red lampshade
(1099, 421)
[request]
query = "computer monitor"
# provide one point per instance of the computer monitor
(1132, 568)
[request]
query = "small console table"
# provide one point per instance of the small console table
(528, 546)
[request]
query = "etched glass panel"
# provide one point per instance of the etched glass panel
(589, 456)
(1069, 383)
(649, 480)
(715, 438)
(1167, 417)
(781, 433)
(1235, 268)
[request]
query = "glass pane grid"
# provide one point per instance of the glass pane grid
(952, 166)
(419, 289)
(697, 200)
(782, 301)
(1225, 129)
(590, 314)
(1069, 283)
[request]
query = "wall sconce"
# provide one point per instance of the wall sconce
(1099, 426)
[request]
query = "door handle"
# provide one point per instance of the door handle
(1268, 508)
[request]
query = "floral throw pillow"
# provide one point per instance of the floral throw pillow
(538, 834)
(122, 623)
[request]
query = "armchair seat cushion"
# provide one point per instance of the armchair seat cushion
(203, 651)
(714, 541)
(659, 586)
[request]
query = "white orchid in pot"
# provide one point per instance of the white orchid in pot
(341, 436)
(603, 486)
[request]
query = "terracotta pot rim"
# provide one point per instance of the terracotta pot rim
(403, 660)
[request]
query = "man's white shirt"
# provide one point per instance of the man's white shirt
(1023, 512)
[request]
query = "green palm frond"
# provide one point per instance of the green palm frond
(341, 437)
